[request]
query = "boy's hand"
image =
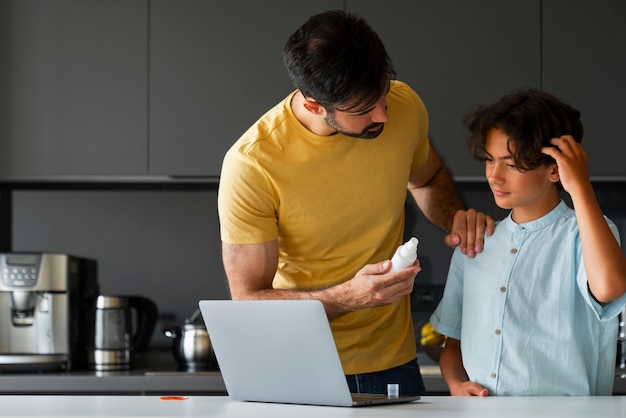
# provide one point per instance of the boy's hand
(468, 389)
(571, 161)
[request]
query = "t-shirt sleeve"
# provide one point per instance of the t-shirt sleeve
(246, 202)
(423, 146)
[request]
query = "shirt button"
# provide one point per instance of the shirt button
(498, 332)
(503, 289)
(513, 250)
(492, 375)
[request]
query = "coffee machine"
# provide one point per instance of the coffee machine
(47, 310)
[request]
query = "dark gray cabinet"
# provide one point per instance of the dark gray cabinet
(215, 68)
(163, 88)
(584, 62)
(73, 82)
(456, 54)
(137, 87)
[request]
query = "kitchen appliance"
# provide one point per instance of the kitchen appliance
(46, 310)
(192, 347)
(123, 326)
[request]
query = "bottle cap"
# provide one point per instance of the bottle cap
(412, 243)
(393, 390)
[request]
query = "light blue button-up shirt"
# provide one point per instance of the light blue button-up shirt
(522, 310)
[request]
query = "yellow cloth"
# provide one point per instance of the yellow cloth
(334, 203)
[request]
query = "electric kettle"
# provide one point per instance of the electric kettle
(123, 326)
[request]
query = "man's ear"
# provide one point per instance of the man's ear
(312, 106)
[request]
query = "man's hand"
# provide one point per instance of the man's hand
(251, 268)
(373, 286)
(468, 231)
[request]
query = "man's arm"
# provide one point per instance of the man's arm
(251, 268)
(454, 373)
(437, 197)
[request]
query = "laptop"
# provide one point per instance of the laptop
(281, 351)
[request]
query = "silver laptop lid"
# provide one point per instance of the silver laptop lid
(276, 351)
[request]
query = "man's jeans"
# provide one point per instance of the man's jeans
(408, 376)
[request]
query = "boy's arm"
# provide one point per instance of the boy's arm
(454, 373)
(605, 263)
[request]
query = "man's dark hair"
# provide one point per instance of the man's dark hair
(338, 60)
(530, 118)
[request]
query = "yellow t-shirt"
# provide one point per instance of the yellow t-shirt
(334, 203)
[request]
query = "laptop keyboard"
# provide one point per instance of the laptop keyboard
(358, 397)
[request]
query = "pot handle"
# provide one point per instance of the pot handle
(172, 332)
(147, 314)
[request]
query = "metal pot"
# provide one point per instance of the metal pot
(191, 347)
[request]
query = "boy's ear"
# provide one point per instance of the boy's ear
(554, 173)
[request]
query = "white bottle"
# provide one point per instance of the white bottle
(405, 255)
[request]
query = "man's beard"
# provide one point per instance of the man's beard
(366, 133)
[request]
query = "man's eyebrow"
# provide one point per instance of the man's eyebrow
(363, 112)
(360, 112)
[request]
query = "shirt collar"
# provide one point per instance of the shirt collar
(540, 223)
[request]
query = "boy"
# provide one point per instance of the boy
(536, 313)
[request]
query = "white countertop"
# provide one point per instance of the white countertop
(220, 406)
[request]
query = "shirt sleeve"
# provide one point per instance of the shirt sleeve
(423, 148)
(246, 202)
(448, 316)
(603, 311)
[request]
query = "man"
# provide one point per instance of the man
(311, 198)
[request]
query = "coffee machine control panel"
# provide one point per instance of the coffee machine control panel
(20, 270)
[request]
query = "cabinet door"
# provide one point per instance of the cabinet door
(215, 68)
(456, 54)
(73, 78)
(584, 63)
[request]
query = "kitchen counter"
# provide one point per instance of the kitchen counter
(155, 374)
(123, 383)
(163, 383)
(137, 383)
(220, 406)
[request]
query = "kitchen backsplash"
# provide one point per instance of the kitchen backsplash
(165, 244)
(160, 244)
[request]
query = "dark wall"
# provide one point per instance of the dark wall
(166, 245)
